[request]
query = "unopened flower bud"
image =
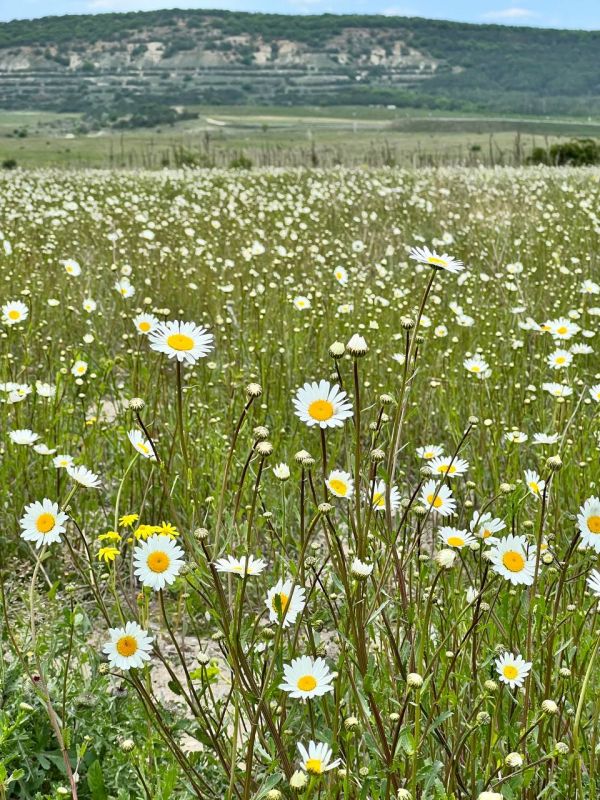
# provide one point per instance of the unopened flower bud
(337, 349)
(254, 390)
(414, 680)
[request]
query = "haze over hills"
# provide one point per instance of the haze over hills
(113, 66)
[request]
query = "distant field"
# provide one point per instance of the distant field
(279, 136)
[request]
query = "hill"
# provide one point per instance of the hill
(121, 66)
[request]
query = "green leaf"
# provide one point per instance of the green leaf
(95, 781)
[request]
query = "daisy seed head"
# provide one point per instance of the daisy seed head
(127, 745)
(200, 534)
(549, 707)
(136, 403)
(301, 457)
(298, 781)
(506, 488)
(254, 390)
(325, 508)
(407, 323)
(357, 346)
(273, 794)
(554, 463)
(490, 686)
(514, 760)
(414, 680)
(351, 724)
(264, 448)
(403, 794)
(386, 399)
(260, 432)
(562, 748)
(483, 718)
(377, 455)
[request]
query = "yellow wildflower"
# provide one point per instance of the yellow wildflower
(108, 553)
(166, 529)
(112, 536)
(127, 520)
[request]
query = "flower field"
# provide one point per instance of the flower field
(300, 485)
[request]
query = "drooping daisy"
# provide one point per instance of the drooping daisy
(341, 275)
(360, 569)
(453, 537)
(44, 450)
(478, 366)
(430, 451)
(593, 581)
(301, 303)
(246, 565)
(42, 523)
(590, 287)
(559, 359)
(317, 759)
(184, 341)
(145, 323)
(128, 647)
(141, 444)
(545, 438)
(588, 521)
(438, 498)
(485, 526)
(322, 404)
(285, 601)
(379, 491)
(79, 368)
(534, 483)
(514, 559)
(71, 267)
(581, 349)
(340, 484)
(423, 255)
(45, 389)
(512, 669)
(446, 465)
(305, 678)
(157, 562)
(84, 476)
(23, 436)
(14, 312)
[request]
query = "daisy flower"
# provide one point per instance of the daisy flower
(305, 678)
(14, 312)
(83, 476)
(285, 601)
(446, 465)
(559, 359)
(71, 267)
(301, 303)
(23, 436)
(593, 581)
(534, 484)
(62, 461)
(145, 323)
(317, 759)
(485, 526)
(478, 366)
(423, 255)
(89, 305)
(246, 565)
(125, 288)
(557, 389)
(438, 498)
(42, 523)
(322, 404)
(514, 559)
(430, 451)
(360, 569)
(517, 437)
(588, 521)
(45, 389)
(157, 562)
(562, 328)
(340, 484)
(79, 368)
(453, 537)
(545, 438)
(184, 341)
(512, 669)
(595, 392)
(141, 444)
(128, 647)
(341, 275)
(379, 497)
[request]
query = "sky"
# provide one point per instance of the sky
(541, 13)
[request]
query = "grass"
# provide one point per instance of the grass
(352, 136)
(409, 623)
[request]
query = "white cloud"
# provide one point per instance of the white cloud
(399, 11)
(512, 14)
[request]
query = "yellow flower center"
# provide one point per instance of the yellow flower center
(534, 487)
(510, 672)
(282, 604)
(594, 524)
(321, 410)
(513, 561)
(475, 368)
(143, 448)
(438, 262)
(127, 646)
(455, 541)
(562, 330)
(45, 523)
(14, 314)
(445, 468)
(486, 533)
(306, 683)
(314, 766)
(561, 360)
(338, 486)
(378, 500)
(144, 327)
(435, 503)
(158, 561)
(179, 341)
